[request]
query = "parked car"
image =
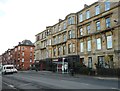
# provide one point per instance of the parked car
(8, 69)
(15, 70)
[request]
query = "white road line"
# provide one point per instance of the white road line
(9, 85)
(115, 88)
(84, 83)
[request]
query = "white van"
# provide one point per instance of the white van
(8, 69)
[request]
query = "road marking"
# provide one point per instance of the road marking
(9, 85)
(84, 83)
(114, 88)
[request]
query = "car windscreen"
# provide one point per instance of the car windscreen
(9, 67)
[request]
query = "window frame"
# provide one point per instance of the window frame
(99, 44)
(88, 29)
(89, 45)
(108, 22)
(111, 42)
(87, 14)
(81, 46)
(97, 10)
(98, 26)
(90, 65)
(81, 31)
(80, 17)
(107, 5)
(74, 48)
(69, 48)
(69, 34)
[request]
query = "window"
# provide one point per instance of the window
(40, 36)
(30, 54)
(80, 18)
(97, 10)
(54, 51)
(69, 34)
(31, 48)
(49, 42)
(22, 48)
(109, 41)
(37, 38)
(64, 50)
(88, 29)
(107, 5)
(101, 62)
(89, 62)
(87, 14)
(59, 37)
(59, 28)
(107, 22)
(64, 37)
(64, 25)
(89, 45)
(73, 48)
(71, 20)
(69, 48)
(73, 34)
(54, 40)
(30, 60)
(18, 47)
(15, 49)
(18, 58)
(22, 53)
(59, 49)
(98, 25)
(81, 47)
(99, 43)
(22, 59)
(81, 31)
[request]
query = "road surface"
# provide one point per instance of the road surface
(44, 80)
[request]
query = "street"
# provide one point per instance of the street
(45, 80)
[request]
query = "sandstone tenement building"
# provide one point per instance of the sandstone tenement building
(89, 36)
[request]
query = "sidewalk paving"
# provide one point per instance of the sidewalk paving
(80, 75)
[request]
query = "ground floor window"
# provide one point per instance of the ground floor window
(101, 62)
(89, 62)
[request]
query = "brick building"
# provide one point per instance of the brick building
(0, 61)
(21, 56)
(89, 36)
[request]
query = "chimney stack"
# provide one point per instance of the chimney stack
(60, 20)
(85, 5)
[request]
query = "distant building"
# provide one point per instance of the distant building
(22, 55)
(0, 60)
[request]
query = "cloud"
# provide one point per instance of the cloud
(23, 19)
(2, 13)
(3, 1)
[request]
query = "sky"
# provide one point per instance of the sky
(23, 19)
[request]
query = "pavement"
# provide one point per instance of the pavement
(77, 75)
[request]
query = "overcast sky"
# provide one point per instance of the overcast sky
(23, 19)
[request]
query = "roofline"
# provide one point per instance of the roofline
(87, 7)
(67, 16)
